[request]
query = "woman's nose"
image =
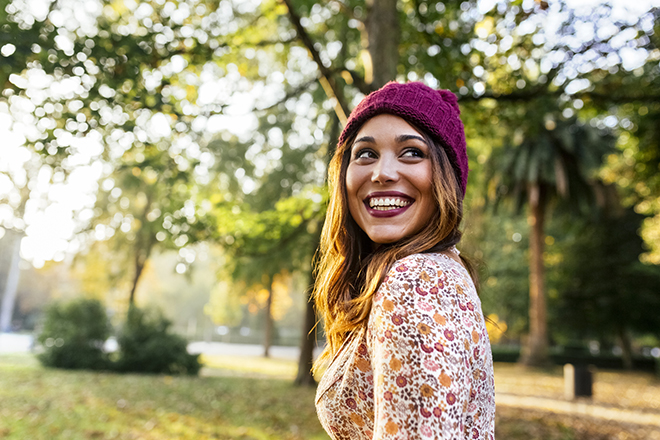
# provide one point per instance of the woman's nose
(385, 170)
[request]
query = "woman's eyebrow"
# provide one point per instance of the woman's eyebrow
(369, 139)
(406, 137)
(399, 139)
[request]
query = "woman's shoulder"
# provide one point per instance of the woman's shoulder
(436, 273)
(439, 264)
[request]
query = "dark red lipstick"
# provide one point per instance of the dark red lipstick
(390, 212)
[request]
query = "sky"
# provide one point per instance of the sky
(58, 206)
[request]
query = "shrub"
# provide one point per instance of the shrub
(73, 335)
(147, 346)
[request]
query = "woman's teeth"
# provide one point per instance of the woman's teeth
(384, 204)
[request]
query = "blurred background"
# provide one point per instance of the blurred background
(171, 156)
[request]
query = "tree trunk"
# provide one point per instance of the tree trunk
(626, 349)
(308, 338)
(383, 35)
(140, 261)
(268, 333)
(306, 359)
(535, 353)
(142, 254)
(144, 244)
(11, 287)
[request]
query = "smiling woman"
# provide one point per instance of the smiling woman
(408, 353)
(388, 181)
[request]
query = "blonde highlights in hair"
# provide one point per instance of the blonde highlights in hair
(350, 271)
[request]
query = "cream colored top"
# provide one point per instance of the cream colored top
(422, 368)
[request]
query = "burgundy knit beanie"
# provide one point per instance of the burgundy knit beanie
(434, 111)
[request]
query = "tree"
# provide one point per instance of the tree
(20, 188)
(11, 286)
(552, 85)
(138, 73)
(635, 168)
(263, 244)
(498, 243)
(78, 103)
(149, 201)
(607, 294)
(558, 161)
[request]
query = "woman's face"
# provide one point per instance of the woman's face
(389, 180)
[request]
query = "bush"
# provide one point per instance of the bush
(146, 346)
(73, 335)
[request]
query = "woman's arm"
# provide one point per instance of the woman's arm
(427, 342)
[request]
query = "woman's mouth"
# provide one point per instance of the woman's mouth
(387, 205)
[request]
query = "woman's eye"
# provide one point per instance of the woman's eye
(364, 154)
(414, 152)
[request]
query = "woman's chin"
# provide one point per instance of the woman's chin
(385, 238)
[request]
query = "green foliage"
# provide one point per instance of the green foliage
(272, 240)
(561, 157)
(73, 335)
(501, 245)
(604, 290)
(636, 170)
(147, 346)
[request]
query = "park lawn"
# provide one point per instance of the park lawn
(38, 403)
(248, 366)
(241, 398)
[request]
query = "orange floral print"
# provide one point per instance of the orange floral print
(445, 380)
(423, 328)
(426, 391)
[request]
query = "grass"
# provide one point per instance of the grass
(241, 398)
(249, 366)
(40, 403)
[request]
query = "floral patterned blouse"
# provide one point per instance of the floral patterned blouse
(422, 368)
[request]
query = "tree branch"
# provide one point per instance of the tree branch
(359, 82)
(332, 90)
(531, 95)
(618, 99)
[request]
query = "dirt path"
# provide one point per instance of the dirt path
(579, 408)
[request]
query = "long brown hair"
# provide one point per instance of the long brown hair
(349, 270)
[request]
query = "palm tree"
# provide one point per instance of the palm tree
(539, 167)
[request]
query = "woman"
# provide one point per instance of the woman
(408, 351)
